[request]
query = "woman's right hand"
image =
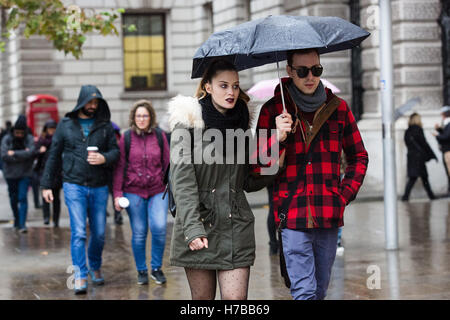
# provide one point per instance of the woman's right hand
(198, 243)
(116, 204)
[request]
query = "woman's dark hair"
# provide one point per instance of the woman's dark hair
(215, 66)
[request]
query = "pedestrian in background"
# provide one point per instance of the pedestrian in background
(309, 196)
(3, 132)
(85, 178)
(138, 176)
(419, 152)
(271, 226)
(442, 135)
(35, 178)
(17, 152)
(213, 235)
(118, 219)
(42, 150)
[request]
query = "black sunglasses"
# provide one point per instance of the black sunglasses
(303, 71)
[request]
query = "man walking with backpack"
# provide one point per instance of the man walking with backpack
(139, 177)
(85, 178)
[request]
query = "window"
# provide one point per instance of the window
(144, 52)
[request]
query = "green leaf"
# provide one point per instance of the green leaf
(132, 28)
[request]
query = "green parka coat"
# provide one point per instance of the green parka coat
(210, 201)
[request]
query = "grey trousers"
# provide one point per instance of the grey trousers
(309, 256)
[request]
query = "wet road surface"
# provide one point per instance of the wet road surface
(36, 265)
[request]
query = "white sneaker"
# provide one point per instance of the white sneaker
(340, 251)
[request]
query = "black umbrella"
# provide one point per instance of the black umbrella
(266, 40)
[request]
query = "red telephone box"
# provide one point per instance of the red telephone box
(40, 109)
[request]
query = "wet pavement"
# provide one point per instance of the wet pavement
(36, 265)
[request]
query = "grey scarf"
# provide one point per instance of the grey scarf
(307, 103)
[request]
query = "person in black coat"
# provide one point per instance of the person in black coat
(443, 137)
(419, 152)
(42, 150)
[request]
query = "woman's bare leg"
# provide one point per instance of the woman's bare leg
(202, 283)
(233, 284)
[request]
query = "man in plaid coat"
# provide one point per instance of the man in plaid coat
(309, 197)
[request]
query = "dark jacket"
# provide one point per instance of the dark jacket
(21, 163)
(69, 146)
(314, 157)
(444, 137)
(419, 151)
(41, 159)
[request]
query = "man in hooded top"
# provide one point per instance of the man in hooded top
(85, 178)
(17, 152)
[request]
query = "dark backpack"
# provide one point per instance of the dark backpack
(167, 191)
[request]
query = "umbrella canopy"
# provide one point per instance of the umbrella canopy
(265, 89)
(266, 40)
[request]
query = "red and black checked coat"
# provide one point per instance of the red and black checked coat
(320, 196)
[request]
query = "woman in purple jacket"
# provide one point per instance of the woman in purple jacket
(143, 186)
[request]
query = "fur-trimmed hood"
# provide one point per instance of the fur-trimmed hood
(187, 111)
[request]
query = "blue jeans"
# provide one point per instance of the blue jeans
(144, 213)
(309, 256)
(18, 190)
(86, 202)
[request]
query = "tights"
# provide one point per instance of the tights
(233, 284)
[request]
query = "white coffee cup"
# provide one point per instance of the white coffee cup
(124, 202)
(92, 149)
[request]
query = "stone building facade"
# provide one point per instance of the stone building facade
(30, 66)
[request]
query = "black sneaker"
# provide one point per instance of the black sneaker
(158, 276)
(142, 277)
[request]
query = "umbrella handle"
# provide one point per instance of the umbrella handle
(281, 86)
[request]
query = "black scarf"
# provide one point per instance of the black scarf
(235, 118)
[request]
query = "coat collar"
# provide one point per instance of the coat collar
(187, 112)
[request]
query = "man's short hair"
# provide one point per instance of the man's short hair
(290, 53)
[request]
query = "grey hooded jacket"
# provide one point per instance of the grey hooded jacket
(19, 165)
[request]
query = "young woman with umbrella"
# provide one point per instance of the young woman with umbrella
(213, 235)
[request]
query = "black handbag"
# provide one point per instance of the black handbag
(168, 192)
